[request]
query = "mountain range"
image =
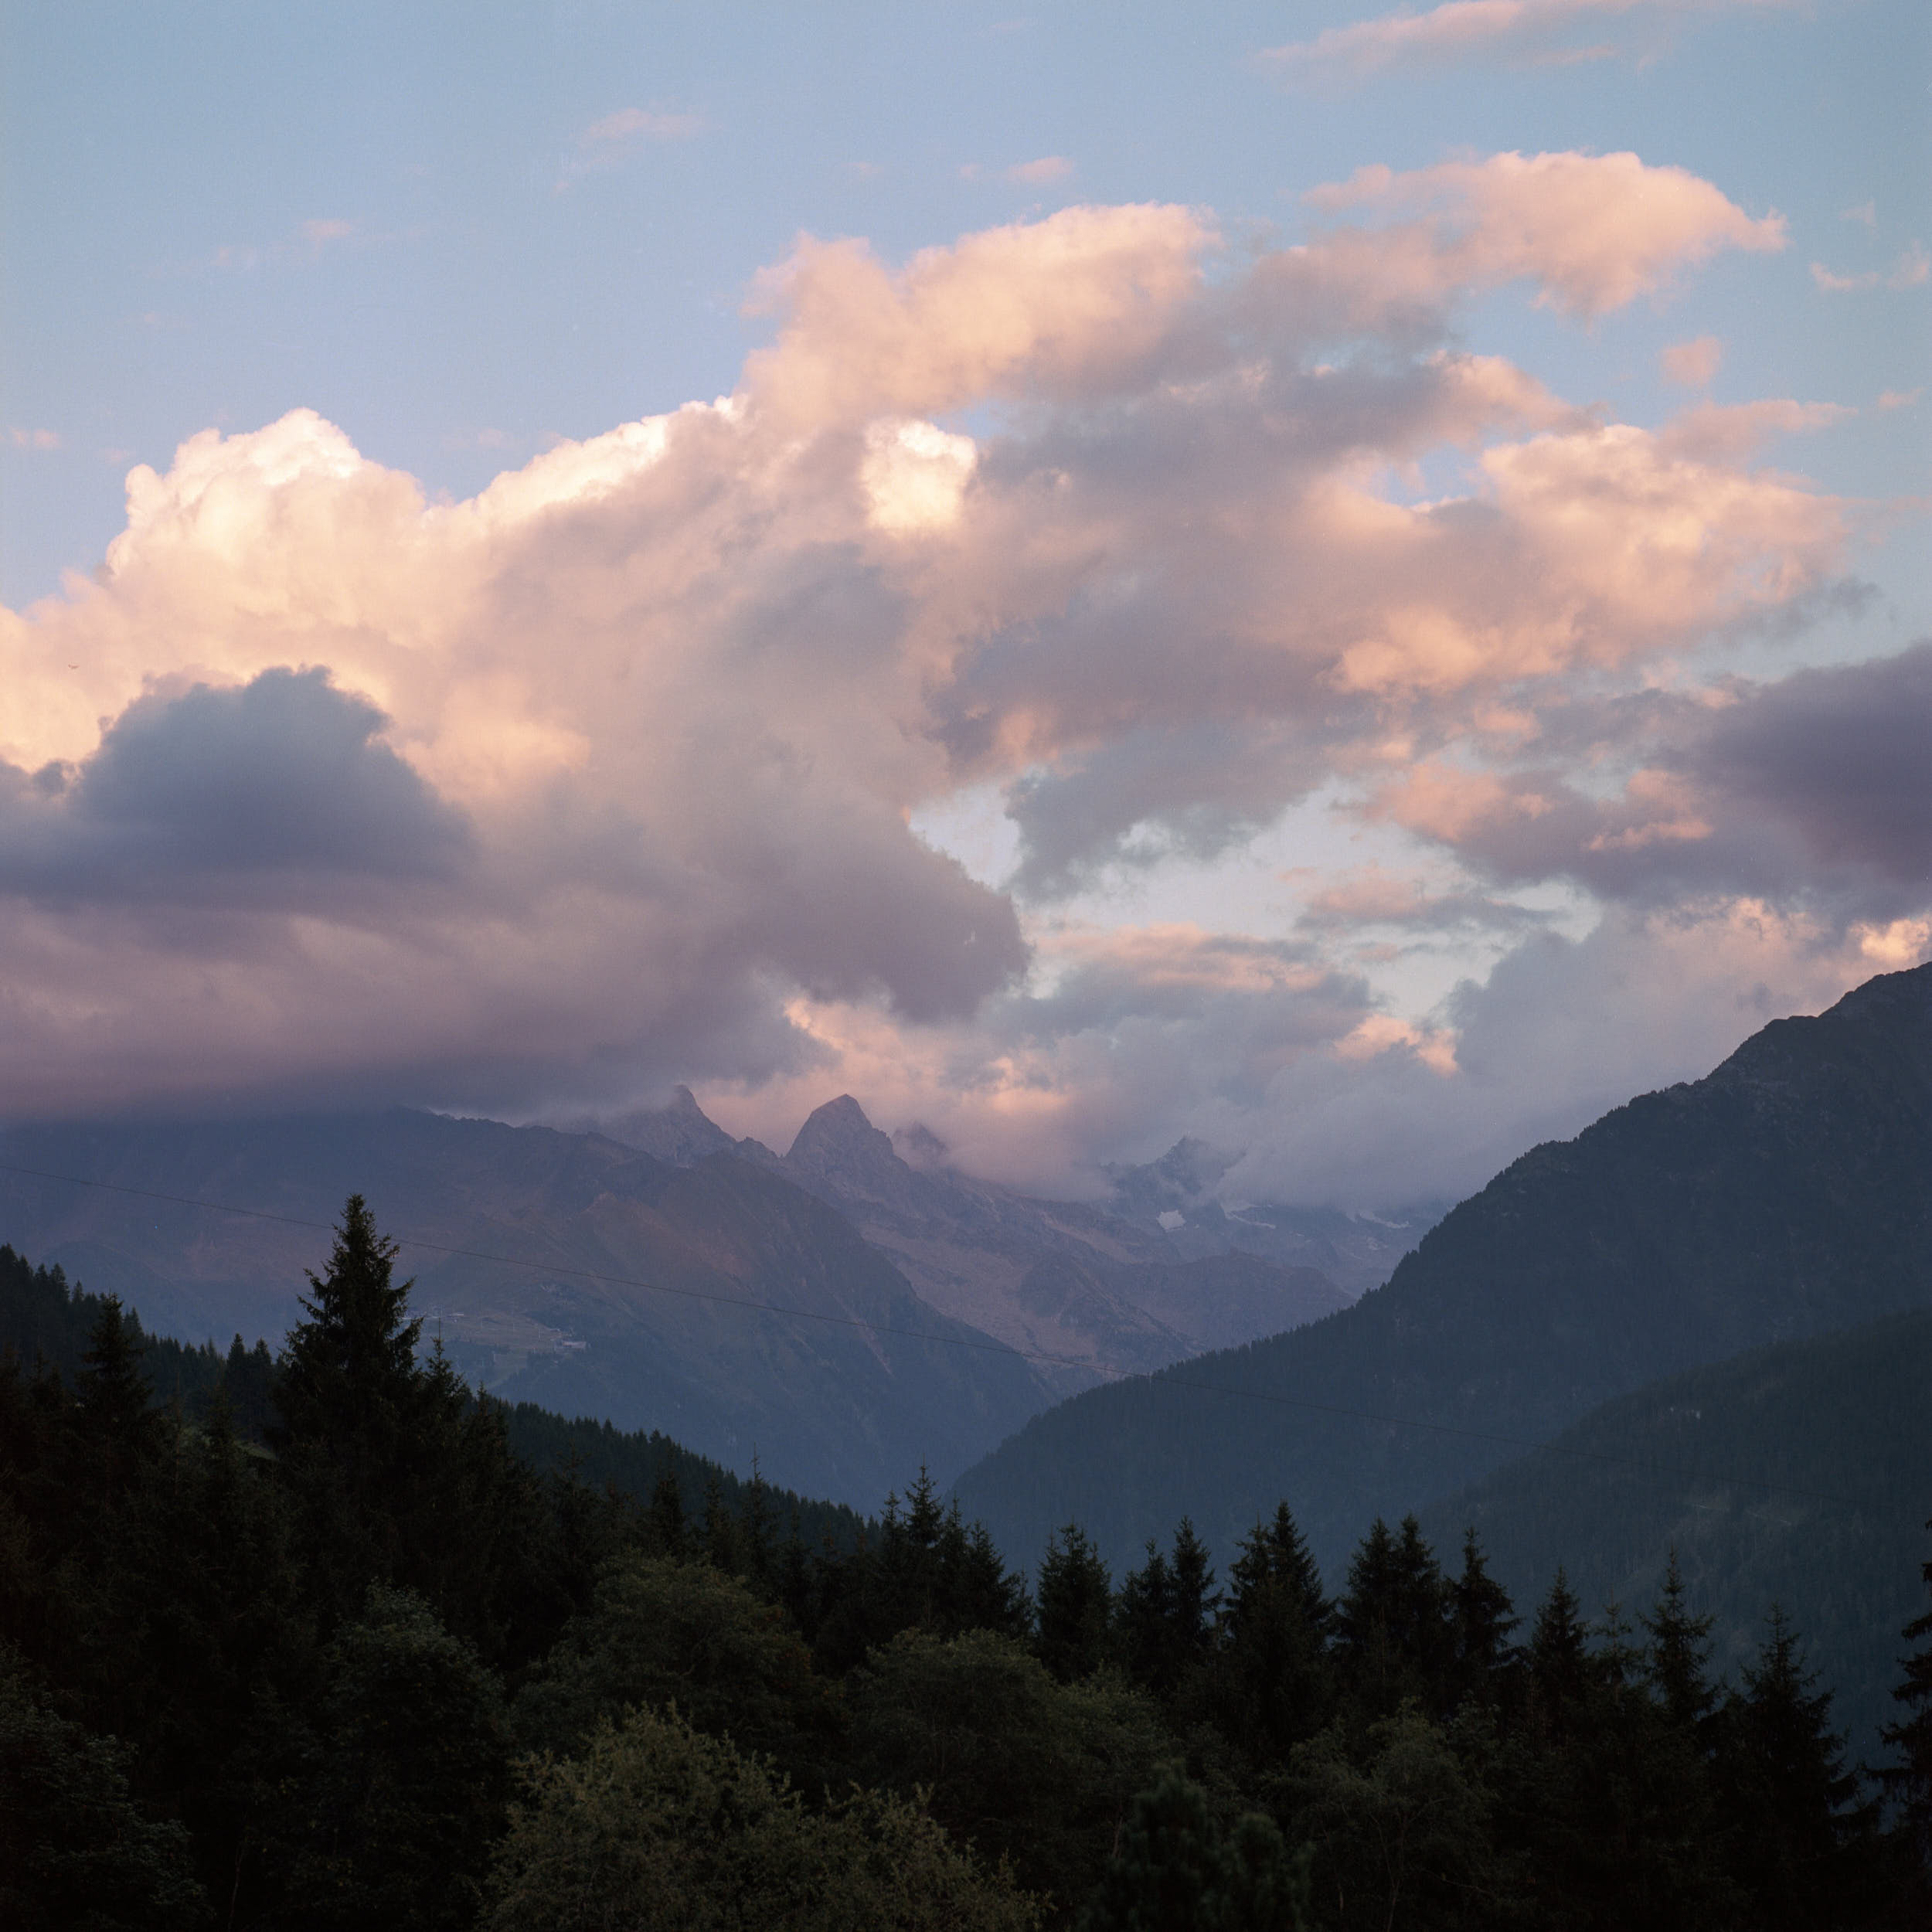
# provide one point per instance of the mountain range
(1086, 1291)
(838, 1312)
(1789, 1193)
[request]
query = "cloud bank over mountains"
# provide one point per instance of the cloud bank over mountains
(608, 776)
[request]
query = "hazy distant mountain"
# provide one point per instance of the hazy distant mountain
(1842, 1423)
(1096, 1290)
(847, 1407)
(1179, 1194)
(680, 1132)
(1789, 1193)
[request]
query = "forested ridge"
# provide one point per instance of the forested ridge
(347, 1657)
(1797, 1473)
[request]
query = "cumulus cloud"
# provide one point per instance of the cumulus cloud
(1543, 31)
(610, 775)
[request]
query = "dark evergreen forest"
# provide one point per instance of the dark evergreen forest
(321, 1639)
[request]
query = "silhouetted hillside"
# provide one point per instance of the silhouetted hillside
(1787, 1194)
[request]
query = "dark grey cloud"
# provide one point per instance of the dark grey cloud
(1817, 788)
(1843, 756)
(263, 789)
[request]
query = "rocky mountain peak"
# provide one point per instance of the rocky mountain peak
(1181, 1177)
(837, 1142)
(680, 1131)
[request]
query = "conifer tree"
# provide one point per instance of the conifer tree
(1677, 1659)
(1789, 1803)
(1558, 1658)
(976, 1590)
(1165, 1612)
(1908, 1779)
(1392, 1623)
(1274, 1682)
(1075, 1602)
(1481, 1617)
(665, 1532)
(1195, 1599)
(1145, 1612)
(349, 1387)
(113, 1402)
(723, 1549)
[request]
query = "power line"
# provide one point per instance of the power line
(985, 1344)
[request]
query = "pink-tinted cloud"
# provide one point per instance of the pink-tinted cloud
(1538, 31)
(1595, 231)
(1060, 307)
(609, 775)
(1692, 364)
(1037, 174)
(629, 124)
(1725, 433)
(1912, 268)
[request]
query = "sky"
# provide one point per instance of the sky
(1349, 583)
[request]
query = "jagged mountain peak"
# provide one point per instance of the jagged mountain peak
(839, 1143)
(679, 1131)
(1182, 1176)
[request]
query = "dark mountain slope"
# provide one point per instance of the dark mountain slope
(838, 1406)
(1842, 1423)
(1788, 1193)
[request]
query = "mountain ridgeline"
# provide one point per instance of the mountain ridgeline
(1789, 1193)
(840, 1312)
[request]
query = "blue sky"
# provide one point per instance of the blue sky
(165, 165)
(467, 235)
